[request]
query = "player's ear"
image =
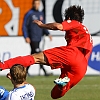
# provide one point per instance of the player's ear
(8, 76)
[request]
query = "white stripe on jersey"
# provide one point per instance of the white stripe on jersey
(26, 92)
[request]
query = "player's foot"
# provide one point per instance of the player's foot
(62, 81)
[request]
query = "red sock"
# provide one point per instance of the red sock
(23, 60)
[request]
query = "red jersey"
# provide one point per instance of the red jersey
(77, 34)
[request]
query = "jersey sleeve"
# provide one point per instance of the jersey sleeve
(12, 97)
(68, 25)
(25, 25)
(32, 88)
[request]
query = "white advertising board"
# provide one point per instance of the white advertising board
(15, 46)
(55, 12)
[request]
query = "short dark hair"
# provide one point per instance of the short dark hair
(74, 13)
(35, 0)
(18, 73)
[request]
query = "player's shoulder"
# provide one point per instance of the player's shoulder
(12, 95)
(30, 87)
(41, 12)
(75, 22)
(29, 13)
(71, 22)
(12, 92)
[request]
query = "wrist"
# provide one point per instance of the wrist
(42, 25)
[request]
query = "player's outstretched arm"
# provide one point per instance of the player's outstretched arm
(50, 26)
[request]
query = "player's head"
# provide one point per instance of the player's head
(17, 74)
(3, 93)
(36, 4)
(74, 13)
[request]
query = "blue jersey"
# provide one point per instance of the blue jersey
(32, 30)
(3, 93)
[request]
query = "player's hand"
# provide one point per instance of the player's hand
(39, 23)
(28, 40)
(50, 37)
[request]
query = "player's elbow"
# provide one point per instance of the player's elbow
(59, 26)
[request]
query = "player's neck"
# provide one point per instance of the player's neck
(18, 85)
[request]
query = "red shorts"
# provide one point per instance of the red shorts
(72, 63)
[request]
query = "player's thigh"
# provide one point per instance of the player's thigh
(75, 70)
(59, 56)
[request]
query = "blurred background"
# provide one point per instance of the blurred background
(12, 42)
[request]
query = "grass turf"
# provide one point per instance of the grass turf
(87, 89)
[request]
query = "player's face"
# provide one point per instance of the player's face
(36, 5)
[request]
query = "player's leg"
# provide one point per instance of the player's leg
(59, 91)
(75, 72)
(34, 45)
(38, 58)
(36, 49)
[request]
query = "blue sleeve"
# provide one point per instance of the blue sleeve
(25, 25)
(43, 17)
(3, 93)
(46, 32)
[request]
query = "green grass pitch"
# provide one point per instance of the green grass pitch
(87, 89)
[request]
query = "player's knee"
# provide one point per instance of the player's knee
(39, 57)
(81, 74)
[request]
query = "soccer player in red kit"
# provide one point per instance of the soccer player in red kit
(71, 59)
